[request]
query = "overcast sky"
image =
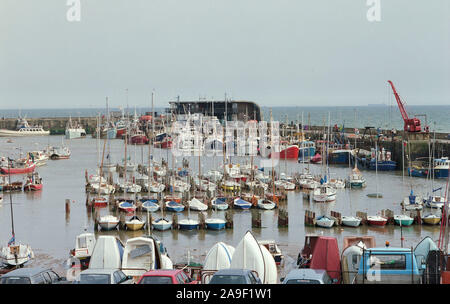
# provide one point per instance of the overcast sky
(274, 52)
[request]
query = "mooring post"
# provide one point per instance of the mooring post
(67, 206)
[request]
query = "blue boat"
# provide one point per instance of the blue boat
(162, 224)
(174, 206)
(188, 224)
(241, 204)
(387, 165)
(150, 205)
(215, 223)
(440, 167)
(219, 203)
(306, 151)
(341, 157)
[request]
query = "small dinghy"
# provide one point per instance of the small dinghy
(412, 202)
(375, 220)
(218, 257)
(266, 204)
(84, 246)
(435, 202)
(241, 204)
(134, 223)
(431, 219)
(351, 221)
(324, 221)
(215, 223)
(100, 202)
(219, 203)
(150, 205)
(174, 206)
(197, 205)
(127, 207)
(188, 224)
(403, 220)
(324, 193)
(108, 222)
(162, 224)
(249, 254)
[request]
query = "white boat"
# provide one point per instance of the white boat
(412, 202)
(188, 224)
(196, 205)
(357, 181)
(55, 153)
(324, 221)
(435, 202)
(103, 189)
(266, 204)
(219, 203)
(309, 183)
(351, 221)
(38, 157)
(107, 253)
(142, 254)
(214, 175)
(16, 255)
(274, 250)
(129, 187)
(74, 130)
(108, 222)
(84, 246)
(337, 183)
(180, 186)
(324, 193)
(24, 129)
(283, 184)
(162, 224)
(249, 254)
(156, 187)
(218, 257)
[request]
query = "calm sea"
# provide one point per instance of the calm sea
(383, 116)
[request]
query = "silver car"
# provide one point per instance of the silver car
(307, 276)
(103, 276)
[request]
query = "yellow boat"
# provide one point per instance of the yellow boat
(134, 224)
(431, 219)
(229, 185)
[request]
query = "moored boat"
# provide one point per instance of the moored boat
(324, 221)
(376, 220)
(403, 220)
(351, 221)
(241, 204)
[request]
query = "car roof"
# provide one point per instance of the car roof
(162, 272)
(306, 273)
(99, 271)
(231, 271)
(25, 272)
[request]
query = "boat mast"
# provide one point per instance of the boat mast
(11, 205)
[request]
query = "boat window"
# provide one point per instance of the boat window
(386, 262)
(15, 280)
(94, 279)
(156, 280)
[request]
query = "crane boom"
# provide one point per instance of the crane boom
(410, 124)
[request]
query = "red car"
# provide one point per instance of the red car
(166, 276)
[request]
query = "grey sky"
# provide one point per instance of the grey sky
(275, 52)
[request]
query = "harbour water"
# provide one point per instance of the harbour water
(41, 221)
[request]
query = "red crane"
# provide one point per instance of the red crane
(411, 124)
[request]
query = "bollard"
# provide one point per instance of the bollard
(67, 206)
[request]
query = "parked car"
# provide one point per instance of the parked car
(35, 275)
(235, 276)
(166, 276)
(308, 276)
(103, 276)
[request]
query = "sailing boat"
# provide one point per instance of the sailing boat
(14, 255)
(376, 194)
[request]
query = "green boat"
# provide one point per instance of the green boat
(403, 220)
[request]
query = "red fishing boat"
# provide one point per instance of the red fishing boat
(19, 167)
(287, 152)
(100, 202)
(138, 138)
(33, 183)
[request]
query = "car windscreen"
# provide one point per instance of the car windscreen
(156, 280)
(302, 281)
(15, 280)
(228, 279)
(94, 279)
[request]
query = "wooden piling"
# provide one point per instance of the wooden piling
(310, 218)
(256, 219)
(229, 219)
(175, 221)
(67, 206)
(201, 220)
(362, 216)
(389, 214)
(283, 217)
(337, 218)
